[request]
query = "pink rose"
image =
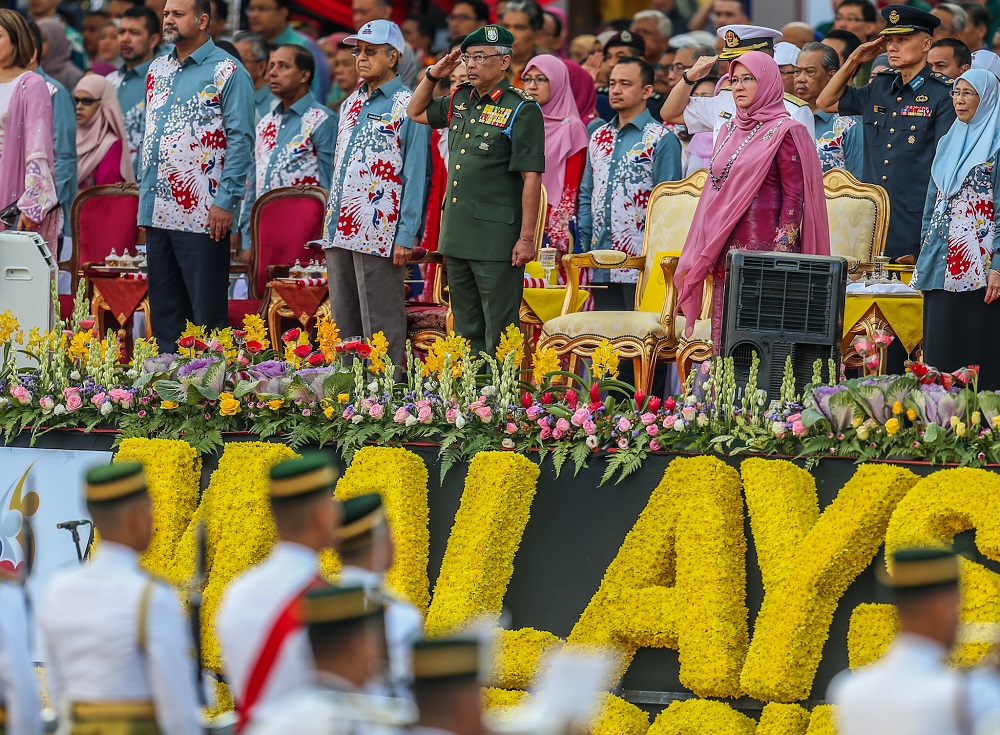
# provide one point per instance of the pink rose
(348, 412)
(46, 404)
(655, 446)
(485, 413)
(67, 392)
(689, 413)
(422, 403)
(562, 425)
(73, 401)
(21, 394)
(652, 430)
(794, 417)
(580, 417)
(623, 443)
(401, 415)
(624, 424)
(648, 419)
(121, 396)
(98, 398)
(376, 411)
(366, 404)
(511, 427)
(668, 422)
(424, 414)
(798, 429)
(450, 415)
(589, 428)
(534, 412)
(558, 434)
(546, 432)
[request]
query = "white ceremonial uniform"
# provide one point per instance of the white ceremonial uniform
(331, 706)
(703, 114)
(404, 624)
(90, 628)
(18, 684)
(911, 691)
(247, 614)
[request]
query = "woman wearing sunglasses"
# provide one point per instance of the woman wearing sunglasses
(764, 191)
(101, 141)
(28, 199)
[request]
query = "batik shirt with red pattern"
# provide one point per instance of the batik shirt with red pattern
(379, 173)
(623, 166)
(198, 145)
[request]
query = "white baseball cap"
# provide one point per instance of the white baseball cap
(379, 32)
(786, 54)
(984, 59)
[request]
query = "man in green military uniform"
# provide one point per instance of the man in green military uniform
(496, 157)
(905, 110)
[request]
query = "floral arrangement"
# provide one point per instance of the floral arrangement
(871, 630)
(782, 719)
(518, 653)
(701, 715)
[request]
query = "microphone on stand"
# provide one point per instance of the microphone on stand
(72, 527)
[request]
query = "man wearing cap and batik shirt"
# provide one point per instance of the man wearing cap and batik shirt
(621, 46)
(118, 649)
(496, 157)
(704, 114)
(367, 552)
(905, 111)
(911, 690)
(346, 642)
(447, 685)
(265, 653)
(375, 214)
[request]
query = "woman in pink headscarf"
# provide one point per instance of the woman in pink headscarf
(101, 142)
(584, 94)
(546, 79)
(764, 191)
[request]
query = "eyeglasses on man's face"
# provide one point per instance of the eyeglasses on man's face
(477, 58)
(368, 51)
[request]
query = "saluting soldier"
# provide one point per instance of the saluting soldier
(367, 552)
(496, 144)
(905, 110)
(447, 685)
(265, 653)
(347, 643)
(911, 690)
(119, 650)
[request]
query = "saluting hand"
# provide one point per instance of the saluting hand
(868, 51)
(447, 64)
(701, 68)
(592, 64)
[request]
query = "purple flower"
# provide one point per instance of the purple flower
(196, 367)
(267, 369)
(159, 364)
(838, 412)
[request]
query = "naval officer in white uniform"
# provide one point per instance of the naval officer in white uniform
(265, 653)
(20, 710)
(119, 650)
(911, 690)
(702, 114)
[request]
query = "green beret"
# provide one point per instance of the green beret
(914, 568)
(115, 481)
(488, 36)
(311, 472)
(440, 658)
(334, 604)
(363, 516)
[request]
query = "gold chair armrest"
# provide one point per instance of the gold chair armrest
(604, 259)
(668, 264)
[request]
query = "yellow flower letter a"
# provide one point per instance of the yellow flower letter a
(679, 579)
(807, 561)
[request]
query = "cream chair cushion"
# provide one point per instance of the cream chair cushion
(702, 329)
(610, 325)
(852, 227)
(667, 225)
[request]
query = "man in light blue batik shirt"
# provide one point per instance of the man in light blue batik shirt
(138, 35)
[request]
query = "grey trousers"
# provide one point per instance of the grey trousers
(367, 295)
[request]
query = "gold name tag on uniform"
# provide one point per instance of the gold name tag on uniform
(495, 116)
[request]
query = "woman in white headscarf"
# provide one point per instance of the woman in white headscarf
(956, 269)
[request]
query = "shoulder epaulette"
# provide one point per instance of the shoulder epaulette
(797, 101)
(943, 78)
(527, 97)
(462, 84)
(885, 71)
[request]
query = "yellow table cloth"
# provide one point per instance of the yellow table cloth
(905, 315)
(547, 302)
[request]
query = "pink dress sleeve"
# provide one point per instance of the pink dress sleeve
(109, 171)
(792, 196)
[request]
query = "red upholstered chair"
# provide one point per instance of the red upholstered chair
(282, 221)
(427, 321)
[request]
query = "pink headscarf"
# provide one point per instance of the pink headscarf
(719, 212)
(561, 15)
(94, 140)
(565, 133)
(584, 91)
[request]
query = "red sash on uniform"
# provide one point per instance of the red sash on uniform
(288, 621)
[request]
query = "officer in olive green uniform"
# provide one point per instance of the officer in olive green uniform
(905, 111)
(496, 155)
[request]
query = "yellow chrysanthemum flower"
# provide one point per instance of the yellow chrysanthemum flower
(605, 361)
(546, 360)
(328, 337)
(512, 340)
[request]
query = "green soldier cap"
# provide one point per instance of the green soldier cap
(363, 517)
(333, 604)
(309, 473)
(900, 19)
(115, 481)
(914, 568)
(441, 658)
(488, 36)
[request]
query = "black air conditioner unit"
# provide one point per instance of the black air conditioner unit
(780, 305)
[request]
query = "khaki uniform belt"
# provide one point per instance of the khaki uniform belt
(105, 711)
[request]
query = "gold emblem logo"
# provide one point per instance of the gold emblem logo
(732, 40)
(491, 34)
(894, 16)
